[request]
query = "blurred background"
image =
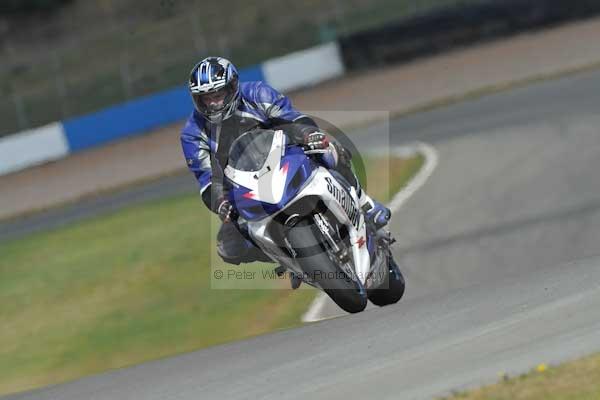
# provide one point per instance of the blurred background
(56, 53)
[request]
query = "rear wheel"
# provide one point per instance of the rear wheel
(392, 288)
(312, 256)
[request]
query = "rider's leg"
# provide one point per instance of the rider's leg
(232, 246)
(376, 213)
(235, 248)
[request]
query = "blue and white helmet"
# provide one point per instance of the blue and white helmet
(215, 89)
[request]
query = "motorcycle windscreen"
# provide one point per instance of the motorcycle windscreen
(250, 151)
(265, 173)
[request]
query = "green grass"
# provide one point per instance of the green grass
(576, 380)
(133, 286)
(119, 290)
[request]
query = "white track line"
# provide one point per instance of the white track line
(313, 313)
(431, 162)
(315, 310)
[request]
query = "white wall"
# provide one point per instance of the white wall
(32, 147)
(304, 68)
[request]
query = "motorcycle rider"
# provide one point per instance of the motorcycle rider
(225, 108)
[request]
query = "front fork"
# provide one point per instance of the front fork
(338, 254)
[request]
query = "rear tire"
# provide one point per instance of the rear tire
(312, 257)
(392, 289)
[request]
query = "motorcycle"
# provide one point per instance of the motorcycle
(306, 218)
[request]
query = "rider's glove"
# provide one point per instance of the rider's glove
(316, 143)
(226, 211)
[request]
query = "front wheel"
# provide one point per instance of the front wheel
(312, 256)
(392, 289)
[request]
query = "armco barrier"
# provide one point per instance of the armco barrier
(56, 140)
(456, 26)
(138, 116)
(135, 117)
(126, 119)
(32, 147)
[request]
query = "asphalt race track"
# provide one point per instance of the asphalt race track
(501, 249)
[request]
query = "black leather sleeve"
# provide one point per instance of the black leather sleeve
(212, 196)
(296, 129)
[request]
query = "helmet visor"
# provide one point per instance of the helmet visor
(216, 101)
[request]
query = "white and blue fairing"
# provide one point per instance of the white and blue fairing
(265, 173)
(268, 174)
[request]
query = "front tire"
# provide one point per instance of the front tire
(312, 256)
(392, 289)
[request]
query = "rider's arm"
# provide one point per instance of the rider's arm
(196, 150)
(278, 109)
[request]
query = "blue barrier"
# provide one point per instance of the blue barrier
(132, 117)
(254, 73)
(136, 116)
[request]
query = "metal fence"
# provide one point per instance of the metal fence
(93, 54)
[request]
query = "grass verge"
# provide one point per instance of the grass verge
(133, 286)
(576, 380)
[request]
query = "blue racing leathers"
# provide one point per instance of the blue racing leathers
(206, 145)
(206, 148)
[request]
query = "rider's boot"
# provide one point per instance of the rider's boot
(376, 214)
(295, 281)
